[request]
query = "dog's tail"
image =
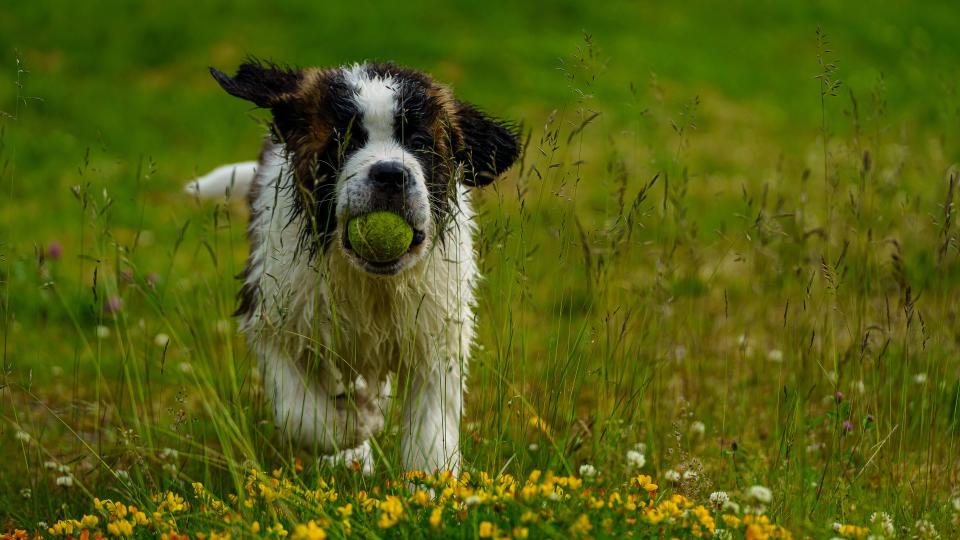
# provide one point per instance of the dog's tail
(230, 181)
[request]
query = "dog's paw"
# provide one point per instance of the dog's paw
(356, 459)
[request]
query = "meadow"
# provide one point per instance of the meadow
(720, 292)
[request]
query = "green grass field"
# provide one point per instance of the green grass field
(731, 247)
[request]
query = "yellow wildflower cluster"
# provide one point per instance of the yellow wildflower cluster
(503, 507)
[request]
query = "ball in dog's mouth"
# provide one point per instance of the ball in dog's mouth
(381, 238)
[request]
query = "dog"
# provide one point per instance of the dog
(334, 333)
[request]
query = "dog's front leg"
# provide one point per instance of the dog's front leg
(432, 407)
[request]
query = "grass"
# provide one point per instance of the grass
(710, 250)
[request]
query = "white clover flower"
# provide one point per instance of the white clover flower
(719, 498)
(741, 339)
(723, 534)
(635, 459)
(533, 447)
(65, 480)
(63, 469)
(956, 504)
(553, 496)
(697, 428)
(185, 367)
(42, 525)
(920, 378)
(671, 475)
(169, 453)
(170, 468)
(689, 476)
(161, 340)
(885, 521)
(641, 447)
(50, 464)
(731, 507)
(832, 377)
(760, 494)
(925, 530)
(472, 500)
(22, 436)
(775, 355)
(860, 387)
(102, 332)
(588, 471)
(26, 493)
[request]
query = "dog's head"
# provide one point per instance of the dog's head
(373, 137)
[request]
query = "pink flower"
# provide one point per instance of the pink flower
(54, 250)
(114, 305)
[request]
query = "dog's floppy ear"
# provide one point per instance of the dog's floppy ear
(489, 146)
(264, 84)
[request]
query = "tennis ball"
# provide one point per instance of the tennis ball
(379, 237)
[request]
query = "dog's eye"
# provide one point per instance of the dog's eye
(420, 141)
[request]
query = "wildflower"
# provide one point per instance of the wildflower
(924, 530)
(65, 480)
(719, 498)
(521, 532)
(169, 454)
(309, 531)
(161, 340)
(185, 367)
(22, 436)
(122, 474)
(102, 332)
(26, 493)
(126, 275)
(54, 250)
(680, 352)
(838, 396)
(731, 507)
(581, 527)
(672, 476)
(860, 387)
(588, 471)
(114, 305)
(850, 531)
(689, 476)
(486, 530)
(641, 447)
(436, 517)
(697, 429)
(847, 426)
(920, 378)
(50, 464)
(760, 494)
(636, 459)
(645, 482)
(775, 355)
(391, 510)
(533, 447)
(152, 279)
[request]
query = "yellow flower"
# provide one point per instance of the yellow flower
(436, 517)
(309, 531)
(851, 531)
(255, 527)
(345, 511)
(391, 510)
(89, 522)
(521, 532)
(421, 497)
(581, 527)
(487, 530)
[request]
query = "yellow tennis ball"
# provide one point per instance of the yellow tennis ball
(379, 237)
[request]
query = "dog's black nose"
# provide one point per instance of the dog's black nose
(389, 174)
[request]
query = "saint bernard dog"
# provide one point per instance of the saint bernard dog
(338, 337)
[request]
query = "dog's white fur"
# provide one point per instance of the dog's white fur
(324, 328)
